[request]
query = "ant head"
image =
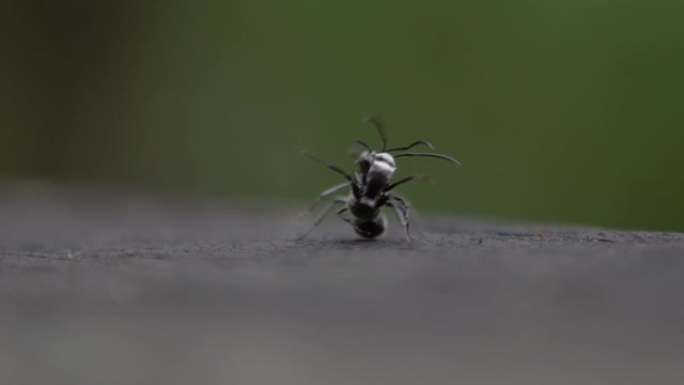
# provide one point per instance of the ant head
(383, 164)
(385, 159)
(368, 160)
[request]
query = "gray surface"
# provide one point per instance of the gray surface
(114, 289)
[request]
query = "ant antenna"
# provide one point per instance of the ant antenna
(362, 143)
(383, 135)
(430, 155)
(414, 144)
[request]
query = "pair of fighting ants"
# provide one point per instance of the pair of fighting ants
(371, 187)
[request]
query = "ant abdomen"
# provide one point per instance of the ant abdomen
(372, 228)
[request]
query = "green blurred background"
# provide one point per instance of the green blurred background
(559, 110)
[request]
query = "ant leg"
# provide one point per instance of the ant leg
(401, 209)
(339, 215)
(324, 194)
(342, 211)
(401, 181)
(330, 166)
(321, 217)
(414, 144)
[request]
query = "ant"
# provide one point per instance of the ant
(371, 186)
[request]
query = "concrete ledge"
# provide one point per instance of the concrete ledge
(111, 289)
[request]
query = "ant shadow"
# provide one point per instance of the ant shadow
(366, 243)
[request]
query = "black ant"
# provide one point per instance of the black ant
(371, 186)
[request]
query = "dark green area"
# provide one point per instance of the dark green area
(560, 110)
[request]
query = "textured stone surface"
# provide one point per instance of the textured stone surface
(113, 289)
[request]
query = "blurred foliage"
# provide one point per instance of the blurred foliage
(558, 110)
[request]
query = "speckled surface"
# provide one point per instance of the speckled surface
(120, 289)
